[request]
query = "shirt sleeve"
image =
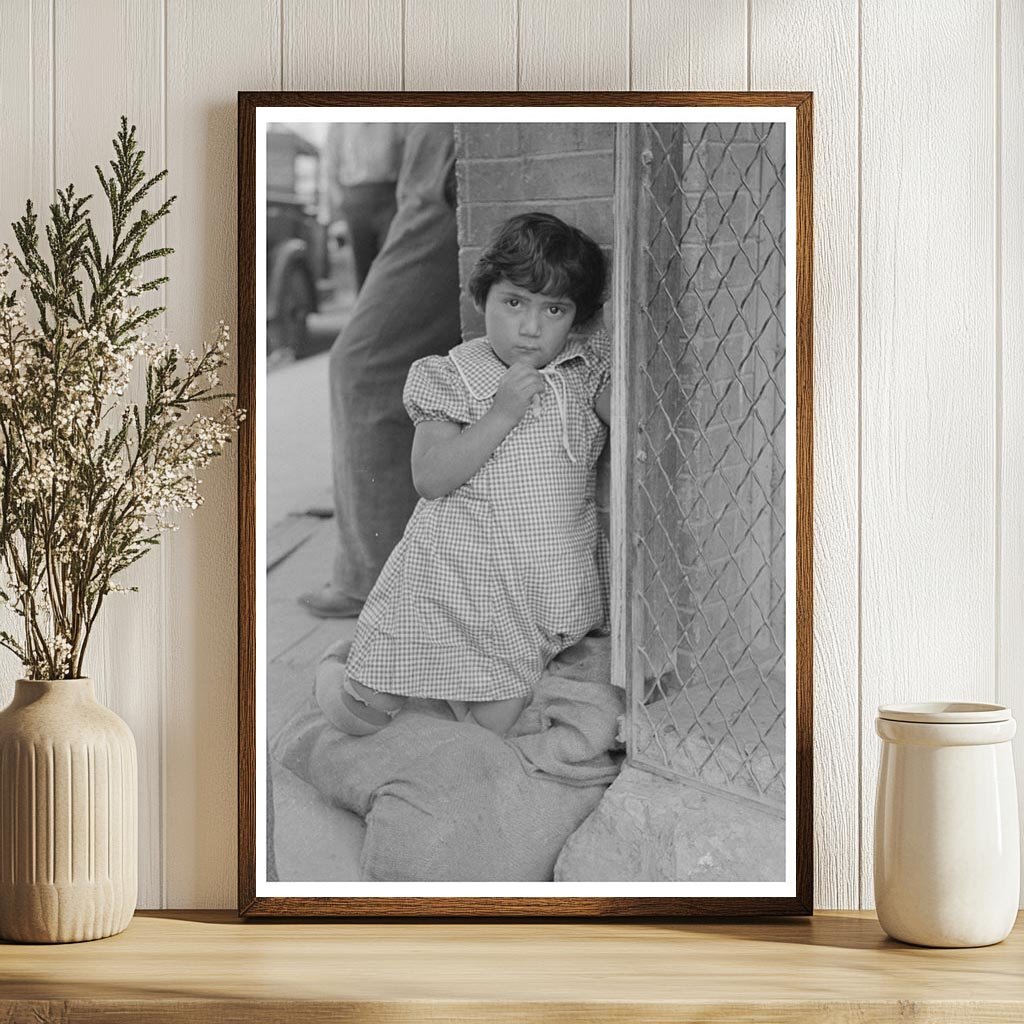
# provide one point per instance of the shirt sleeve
(433, 391)
(599, 363)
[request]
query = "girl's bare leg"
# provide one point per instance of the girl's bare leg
(349, 706)
(497, 715)
(459, 708)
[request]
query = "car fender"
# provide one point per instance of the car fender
(285, 255)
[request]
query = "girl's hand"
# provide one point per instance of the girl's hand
(518, 387)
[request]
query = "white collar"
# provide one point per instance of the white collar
(481, 370)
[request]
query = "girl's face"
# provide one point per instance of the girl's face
(526, 327)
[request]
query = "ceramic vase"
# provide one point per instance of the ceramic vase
(947, 847)
(68, 815)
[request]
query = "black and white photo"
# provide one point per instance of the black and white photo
(525, 634)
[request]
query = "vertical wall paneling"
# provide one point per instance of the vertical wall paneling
(213, 51)
(700, 44)
(932, 556)
(26, 123)
(1011, 316)
(928, 363)
(831, 73)
(342, 44)
(468, 44)
(122, 658)
(26, 101)
(574, 44)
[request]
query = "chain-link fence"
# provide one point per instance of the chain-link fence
(705, 484)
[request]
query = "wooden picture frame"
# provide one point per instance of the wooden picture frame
(261, 895)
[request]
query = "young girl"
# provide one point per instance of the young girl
(498, 570)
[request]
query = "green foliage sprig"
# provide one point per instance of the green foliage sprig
(88, 477)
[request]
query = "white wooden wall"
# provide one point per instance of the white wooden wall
(919, 317)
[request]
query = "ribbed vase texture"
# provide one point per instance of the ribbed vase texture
(68, 815)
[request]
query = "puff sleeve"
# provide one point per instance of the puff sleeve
(433, 391)
(599, 363)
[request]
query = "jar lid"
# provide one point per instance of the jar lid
(945, 712)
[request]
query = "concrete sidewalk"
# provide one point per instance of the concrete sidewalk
(310, 840)
(298, 439)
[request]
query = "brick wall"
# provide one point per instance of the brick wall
(505, 169)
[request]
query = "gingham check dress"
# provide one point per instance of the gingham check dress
(490, 582)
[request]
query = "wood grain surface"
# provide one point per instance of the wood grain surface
(1010, 368)
(130, 35)
(468, 45)
(928, 373)
(574, 44)
(230, 45)
(701, 44)
(201, 967)
(355, 44)
(832, 75)
(26, 127)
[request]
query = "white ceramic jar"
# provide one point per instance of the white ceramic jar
(947, 847)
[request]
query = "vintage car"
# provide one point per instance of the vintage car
(296, 240)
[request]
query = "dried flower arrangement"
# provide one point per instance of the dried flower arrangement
(89, 478)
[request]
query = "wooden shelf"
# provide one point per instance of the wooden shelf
(210, 967)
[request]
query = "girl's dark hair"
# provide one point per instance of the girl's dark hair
(539, 252)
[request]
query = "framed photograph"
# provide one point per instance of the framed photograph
(525, 494)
